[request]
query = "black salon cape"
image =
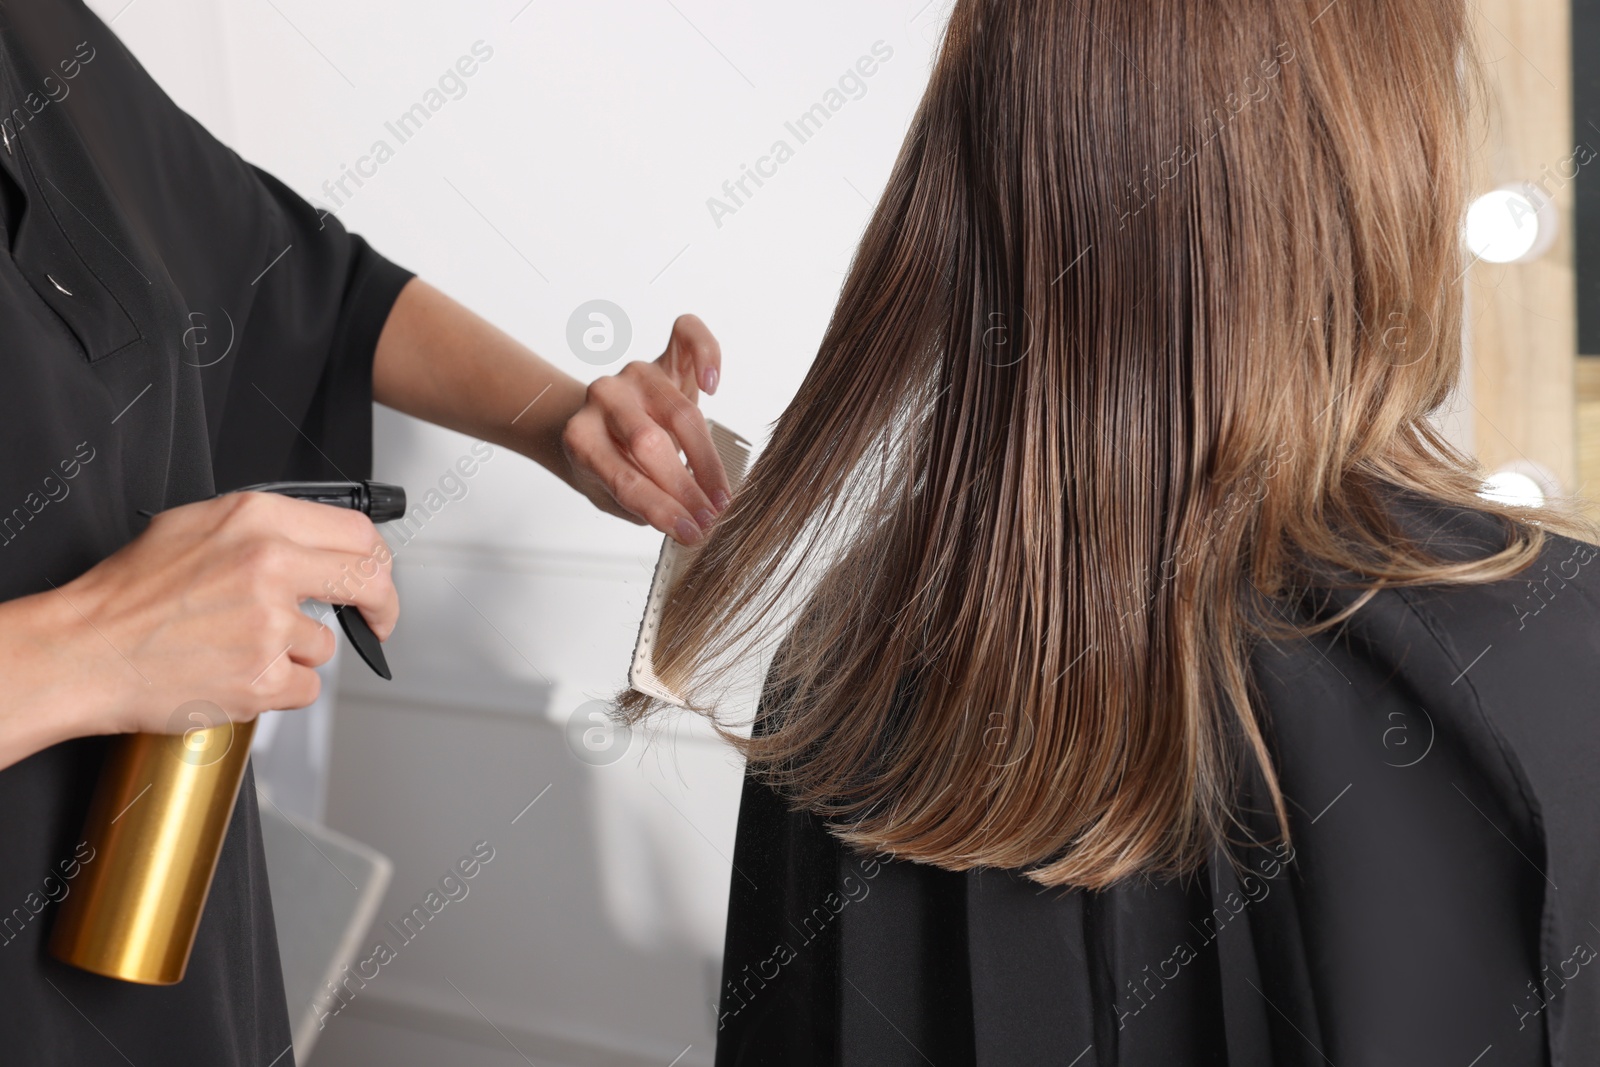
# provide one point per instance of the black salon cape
(1440, 905)
(172, 322)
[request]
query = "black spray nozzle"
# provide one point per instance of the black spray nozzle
(385, 502)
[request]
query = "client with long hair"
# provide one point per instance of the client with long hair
(1151, 683)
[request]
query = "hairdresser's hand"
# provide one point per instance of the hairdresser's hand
(205, 605)
(623, 445)
(616, 441)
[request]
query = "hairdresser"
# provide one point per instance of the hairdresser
(131, 237)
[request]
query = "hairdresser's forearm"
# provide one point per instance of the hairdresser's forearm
(47, 699)
(439, 361)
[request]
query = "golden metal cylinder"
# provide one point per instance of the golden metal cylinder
(156, 823)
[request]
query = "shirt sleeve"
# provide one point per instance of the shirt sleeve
(279, 305)
(299, 396)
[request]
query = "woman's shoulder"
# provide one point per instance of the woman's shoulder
(1559, 582)
(1490, 658)
(1446, 735)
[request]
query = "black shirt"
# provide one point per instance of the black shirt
(173, 323)
(1440, 905)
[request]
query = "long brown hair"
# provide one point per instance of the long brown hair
(1139, 342)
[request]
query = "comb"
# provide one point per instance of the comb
(735, 454)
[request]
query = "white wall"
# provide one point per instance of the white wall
(577, 165)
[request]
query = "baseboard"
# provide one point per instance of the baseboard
(545, 1044)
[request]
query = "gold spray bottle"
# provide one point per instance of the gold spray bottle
(163, 804)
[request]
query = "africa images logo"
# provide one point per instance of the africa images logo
(451, 85)
(851, 85)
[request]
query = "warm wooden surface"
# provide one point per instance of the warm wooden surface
(1589, 425)
(1522, 317)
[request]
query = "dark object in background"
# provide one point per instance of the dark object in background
(1586, 194)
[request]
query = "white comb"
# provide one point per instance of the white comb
(735, 454)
